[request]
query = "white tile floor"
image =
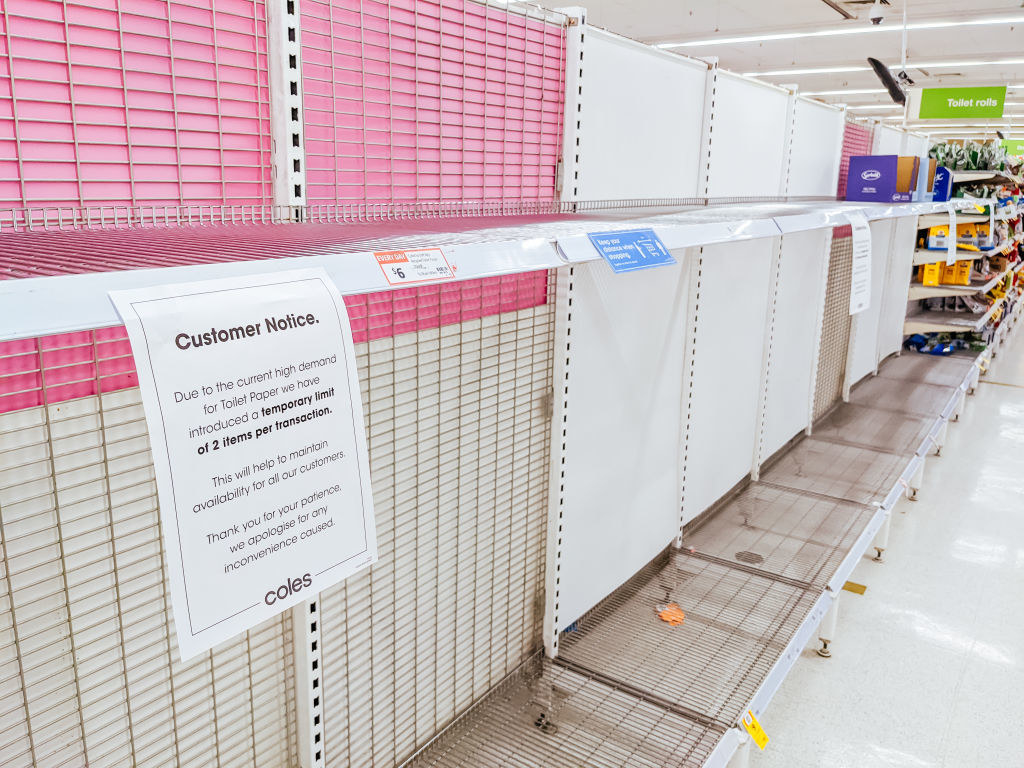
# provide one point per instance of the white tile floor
(928, 665)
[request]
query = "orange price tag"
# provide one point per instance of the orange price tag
(421, 266)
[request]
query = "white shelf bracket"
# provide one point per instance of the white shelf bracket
(286, 120)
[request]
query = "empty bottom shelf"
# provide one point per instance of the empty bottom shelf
(627, 688)
(548, 715)
(927, 369)
(859, 475)
(904, 397)
(865, 427)
(782, 533)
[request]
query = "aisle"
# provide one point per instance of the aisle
(928, 665)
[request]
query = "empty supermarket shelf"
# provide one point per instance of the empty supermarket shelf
(628, 688)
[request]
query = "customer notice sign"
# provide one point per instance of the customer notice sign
(252, 401)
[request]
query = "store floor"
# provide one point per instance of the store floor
(928, 664)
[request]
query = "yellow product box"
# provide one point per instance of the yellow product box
(936, 240)
(967, 234)
(949, 274)
(930, 273)
(963, 273)
(981, 232)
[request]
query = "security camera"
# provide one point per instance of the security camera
(877, 13)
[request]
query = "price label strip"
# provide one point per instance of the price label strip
(860, 278)
(408, 267)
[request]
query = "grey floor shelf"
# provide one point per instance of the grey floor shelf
(627, 689)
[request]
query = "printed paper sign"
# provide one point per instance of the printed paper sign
(402, 267)
(860, 279)
(252, 400)
(631, 250)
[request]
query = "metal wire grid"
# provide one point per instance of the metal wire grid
(120, 217)
(88, 658)
(53, 369)
(457, 422)
(857, 140)
(835, 327)
(710, 666)
(888, 394)
(865, 427)
(838, 471)
(552, 716)
(430, 101)
(126, 106)
(782, 533)
(41, 253)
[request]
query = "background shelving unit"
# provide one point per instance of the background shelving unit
(921, 320)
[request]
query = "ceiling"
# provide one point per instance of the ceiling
(981, 44)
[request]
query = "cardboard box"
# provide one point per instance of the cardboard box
(998, 263)
(882, 178)
(930, 273)
(926, 181)
(942, 187)
(962, 273)
(981, 236)
(967, 234)
(936, 238)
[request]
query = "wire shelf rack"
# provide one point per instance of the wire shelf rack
(864, 427)
(549, 715)
(710, 666)
(901, 396)
(782, 534)
(836, 471)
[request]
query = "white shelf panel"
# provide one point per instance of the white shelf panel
(960, 177)
(939, 219)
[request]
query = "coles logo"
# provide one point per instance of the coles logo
(290, 587)
(871, 175)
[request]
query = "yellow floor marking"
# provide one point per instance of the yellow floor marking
(859, 589)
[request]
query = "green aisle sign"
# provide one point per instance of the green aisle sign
(949, 103)
(1014, 147)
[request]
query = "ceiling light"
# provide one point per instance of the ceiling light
(912, 64)
(877, 106)
(877, 13)
(848, 30)
(808, 71)
(847, 92)
(976, 63)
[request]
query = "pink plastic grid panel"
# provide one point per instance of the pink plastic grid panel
(140, 102)
(856, 141)
(429, 101)
(54, 369)
(57, 368)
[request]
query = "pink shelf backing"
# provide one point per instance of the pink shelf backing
(856, 141)
(429, 101)
(148, 102)
(55, 369)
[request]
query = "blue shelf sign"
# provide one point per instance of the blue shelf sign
(631, 250)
